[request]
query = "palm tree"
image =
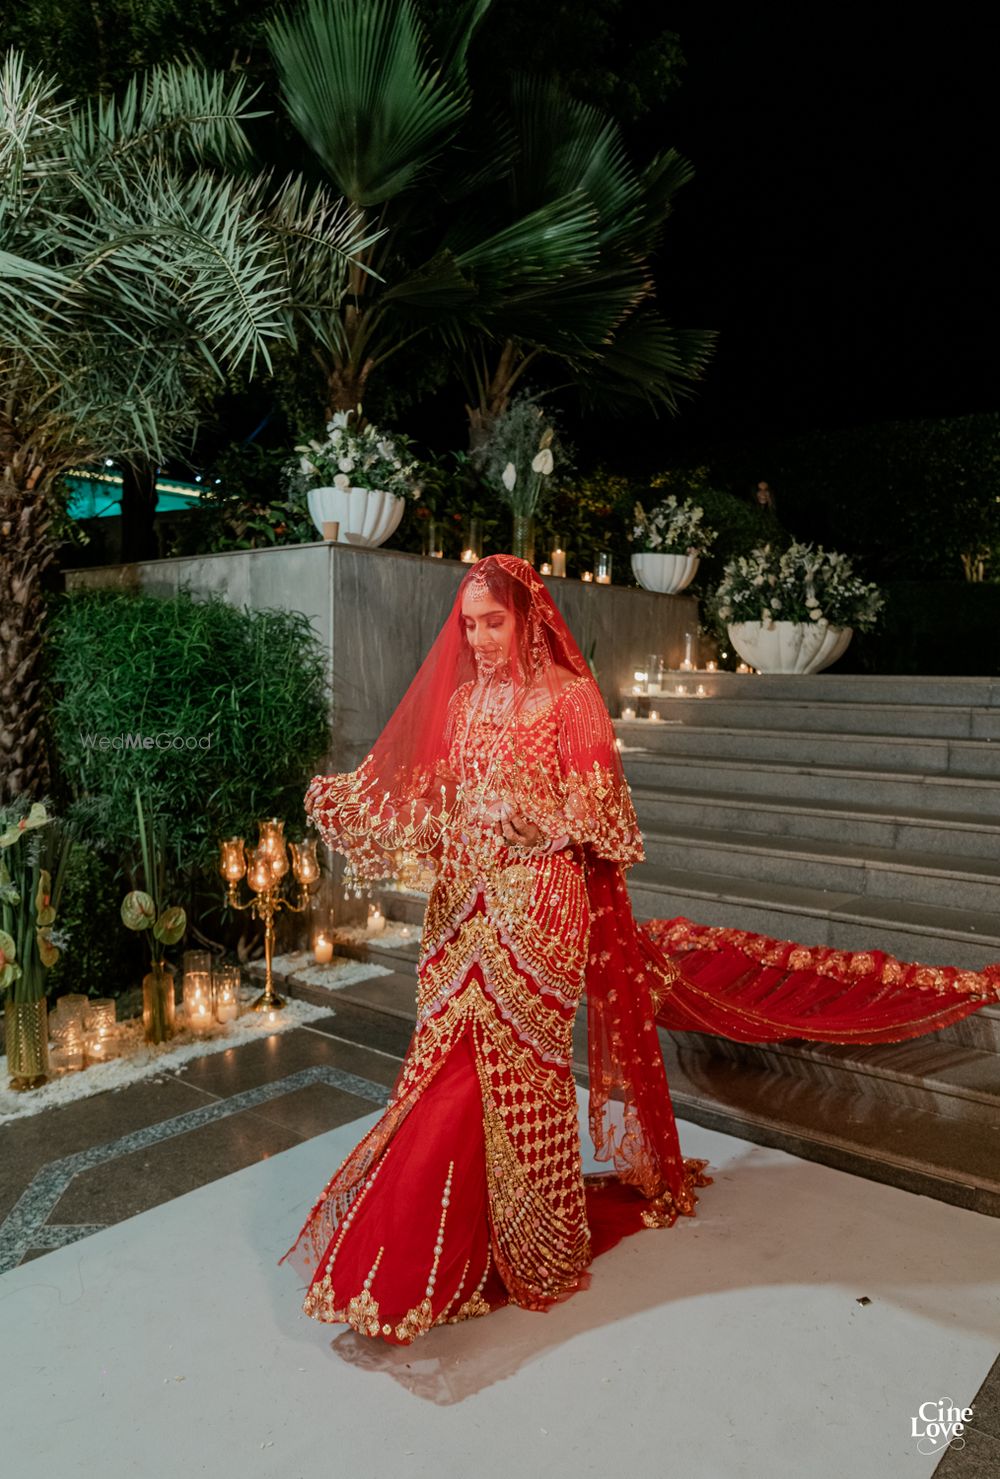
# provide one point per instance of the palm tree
(508, 238)
(138, 267)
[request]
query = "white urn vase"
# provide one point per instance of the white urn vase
(667, 574)
(366, 516)
(789, 646)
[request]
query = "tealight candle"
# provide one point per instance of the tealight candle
(545, 568)
(469, 557)
(711, 666)
(199, 1014)
(654, 716)
(587, 575)
(743, 667)
(323, 950)
(628, 713)
(687, 666)
(700, 691)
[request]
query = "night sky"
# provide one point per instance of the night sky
(836, 231)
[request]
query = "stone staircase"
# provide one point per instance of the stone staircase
(855, 812)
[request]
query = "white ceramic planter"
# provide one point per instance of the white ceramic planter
(667, 574)
(365, 516)
(789, 646)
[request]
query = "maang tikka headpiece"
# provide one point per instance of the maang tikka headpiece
(478, 586)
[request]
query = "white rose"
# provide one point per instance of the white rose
(345, 464)
(542, 462)
(305, 465)
(509, 476)
(816, 615)
(342, 481)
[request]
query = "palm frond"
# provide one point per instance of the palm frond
(360, 88)
(175, 112)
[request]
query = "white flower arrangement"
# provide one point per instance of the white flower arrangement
(519, 454)
(349, 458)
(802, 583)
(672, 528)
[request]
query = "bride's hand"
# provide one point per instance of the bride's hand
(520, 832)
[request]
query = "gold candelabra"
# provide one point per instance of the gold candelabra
(264, 868)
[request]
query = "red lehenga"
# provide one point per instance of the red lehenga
(469, 1192)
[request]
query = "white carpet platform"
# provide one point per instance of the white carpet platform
(731, 1346)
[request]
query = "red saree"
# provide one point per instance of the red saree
(469, 1193)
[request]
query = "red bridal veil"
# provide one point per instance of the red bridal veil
(392, 818)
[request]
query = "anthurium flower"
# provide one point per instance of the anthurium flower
(138, 910)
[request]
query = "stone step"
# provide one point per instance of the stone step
(849, 823)
(944, 721)
(928, 878)
(925, 1073)
(898, 690)
(969, 796)
(866, 752)
(916, 932)
(837, 1124)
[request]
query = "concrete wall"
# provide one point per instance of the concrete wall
(377, 612)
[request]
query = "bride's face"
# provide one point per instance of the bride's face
(489, 630)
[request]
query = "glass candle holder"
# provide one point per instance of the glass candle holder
(472, 541)
(232, 859)
(434, 539)
(197, 992)
(66, 1054)
(602, 567)
(226, 988)
(305, 864)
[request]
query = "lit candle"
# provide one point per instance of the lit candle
(603, 568)
(742, 668)
(587, 575)
(687, 666)
(545, 568)
(323, 950)
(654, 716)
(628, 713)
(200, 1014)
(711, 666)
(700, 691)
(227, 1011)
(232, 861)
(376, 920)
(559, 562)
(469, 557)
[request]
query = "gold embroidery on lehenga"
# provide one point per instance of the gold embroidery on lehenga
(503, 957)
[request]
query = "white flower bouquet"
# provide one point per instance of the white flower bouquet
(804, 583)
(518, 455)
(350, 458)
(672, 528)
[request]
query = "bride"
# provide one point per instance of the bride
(499, 771)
